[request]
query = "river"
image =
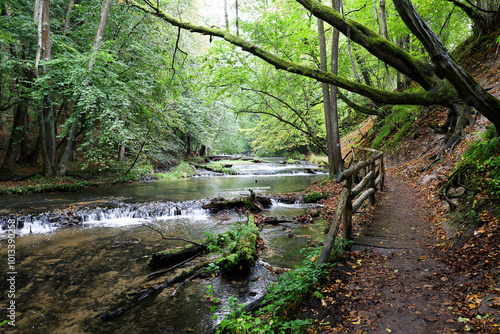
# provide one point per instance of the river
(67, 277)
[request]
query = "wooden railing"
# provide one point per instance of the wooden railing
(371, 171)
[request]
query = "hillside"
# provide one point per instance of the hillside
(448, 282)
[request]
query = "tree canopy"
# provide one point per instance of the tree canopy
(98, 81)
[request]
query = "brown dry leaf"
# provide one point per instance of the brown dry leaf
(495, 302)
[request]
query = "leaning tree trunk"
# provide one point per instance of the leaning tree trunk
(468, 89)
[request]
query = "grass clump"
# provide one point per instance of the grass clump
(180, 171)
(218, 167)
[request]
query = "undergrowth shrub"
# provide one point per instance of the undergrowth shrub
(479, 169)
(283, 299)
(314, 197)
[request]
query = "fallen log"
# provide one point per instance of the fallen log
(171, 257)
(272, 220)
(162, 272)
(151, 291)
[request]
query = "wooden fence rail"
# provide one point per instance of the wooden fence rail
(372, 170)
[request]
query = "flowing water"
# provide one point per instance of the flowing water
(67, 277)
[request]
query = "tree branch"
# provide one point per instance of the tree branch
(467, 87)
(478, 19)
(321, 144)
(357, 107)
(174, 238)
(376, 44)
(439, 94)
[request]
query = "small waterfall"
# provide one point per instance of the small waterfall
(123, 215)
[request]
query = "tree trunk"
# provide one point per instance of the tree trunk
(226, 18)
(189, 149)
(364, 69)
(385, 33)
(121, 153)
(468, 89)
(237, 20)
(46, 113)
(326, 100)
(337, 152)
(17, 135)
(24, 156)
(67, 21)
(348, 35)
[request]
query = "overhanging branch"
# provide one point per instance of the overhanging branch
(357, 107)
(439, 94)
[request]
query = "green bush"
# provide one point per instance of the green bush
(283, 296)
(314, 197)
(480, 165)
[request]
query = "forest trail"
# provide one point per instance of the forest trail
(398, 221)
(390, 282)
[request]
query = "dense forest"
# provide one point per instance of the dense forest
(89, 85)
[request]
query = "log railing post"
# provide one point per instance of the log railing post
(347, 230)
(382, 173)
(346, 207)
(334, 227)
(372, 184)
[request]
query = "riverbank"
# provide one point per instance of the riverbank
(34, 181)
(71, 183)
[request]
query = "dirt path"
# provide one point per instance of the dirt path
(389, 283)
(405, 291)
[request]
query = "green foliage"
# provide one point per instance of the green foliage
(282, 298)
(314, 197)
(394, 126)
(238, 247)
(296, 156)
(182, 170)
(479, 167)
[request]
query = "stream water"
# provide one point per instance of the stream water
(67, 277)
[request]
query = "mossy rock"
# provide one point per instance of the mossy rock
(242, 250)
